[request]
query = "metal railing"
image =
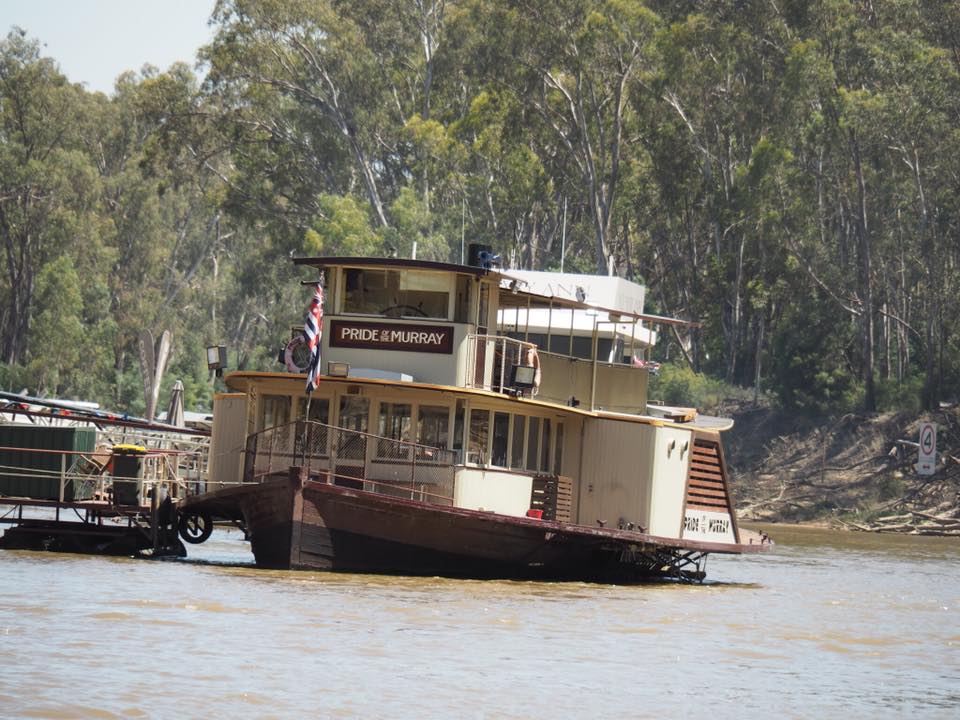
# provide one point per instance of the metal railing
(351, 458)
(499, 353)
(87, 475)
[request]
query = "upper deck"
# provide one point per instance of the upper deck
(470, 327)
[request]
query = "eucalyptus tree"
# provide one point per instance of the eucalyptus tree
(570, 65)
(47, 184)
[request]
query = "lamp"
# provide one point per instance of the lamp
(522, 376)
(338, 369)
(217, 359)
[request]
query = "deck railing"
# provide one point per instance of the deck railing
(490, 359)
(350, 458)
(72, 476)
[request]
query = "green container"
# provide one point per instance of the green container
(36, 475)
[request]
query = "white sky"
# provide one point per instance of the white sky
(95, 40)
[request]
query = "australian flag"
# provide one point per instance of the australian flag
(313, 331)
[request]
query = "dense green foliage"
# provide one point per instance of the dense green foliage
(788, 173)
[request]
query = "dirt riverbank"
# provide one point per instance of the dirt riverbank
(855, 471)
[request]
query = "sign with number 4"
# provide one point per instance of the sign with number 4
(927, 460)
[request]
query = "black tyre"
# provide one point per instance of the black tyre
(195, 528)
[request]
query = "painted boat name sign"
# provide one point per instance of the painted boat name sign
(384, 336)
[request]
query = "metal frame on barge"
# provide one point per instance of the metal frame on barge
(117, 496)
(565, 476)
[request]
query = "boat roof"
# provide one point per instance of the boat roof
(603, 290)
(379, 262)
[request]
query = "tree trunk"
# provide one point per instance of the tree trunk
(866, 283)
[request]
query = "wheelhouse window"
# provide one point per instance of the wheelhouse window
(396, 293)
(461, 307)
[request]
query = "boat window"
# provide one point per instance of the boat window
(274, 410)
(501, 433)
(516, 447)
(533, 440)
(394, 424)
(319, 410)
(458, 428)
(433, 426)
(317, 437)
(396, 293)
(353, 416)
(558, 452)
(461, 309)
(545, 447)
(479, 436)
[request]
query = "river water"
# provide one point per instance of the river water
(829, 625)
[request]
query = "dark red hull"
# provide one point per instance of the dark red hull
(316, 526)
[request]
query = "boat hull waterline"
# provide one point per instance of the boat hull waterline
(301, 524)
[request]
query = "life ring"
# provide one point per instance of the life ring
(296, 355)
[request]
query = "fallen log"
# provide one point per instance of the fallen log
(903, 527)
(936, 518)
(894, 518)
(940, 533)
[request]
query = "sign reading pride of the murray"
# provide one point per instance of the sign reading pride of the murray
(383, 336)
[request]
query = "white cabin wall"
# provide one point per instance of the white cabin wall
(671, 459)
(227, 439)
(615, 472)
(492, 490)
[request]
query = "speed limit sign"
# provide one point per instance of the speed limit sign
(927, 459)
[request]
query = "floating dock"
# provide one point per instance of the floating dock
(97, 485)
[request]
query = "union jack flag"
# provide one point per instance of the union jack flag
(313, 331)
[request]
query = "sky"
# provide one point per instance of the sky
(94, 41)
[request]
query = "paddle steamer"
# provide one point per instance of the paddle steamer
(471, 422)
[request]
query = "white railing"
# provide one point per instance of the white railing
(490, 359)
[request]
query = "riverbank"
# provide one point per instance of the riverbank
(853, 471)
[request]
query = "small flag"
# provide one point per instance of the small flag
(313, 331)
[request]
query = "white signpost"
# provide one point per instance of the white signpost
(927, 458)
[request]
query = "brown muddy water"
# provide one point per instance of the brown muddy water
(831, 625)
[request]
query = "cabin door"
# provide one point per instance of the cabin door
(350, 448)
